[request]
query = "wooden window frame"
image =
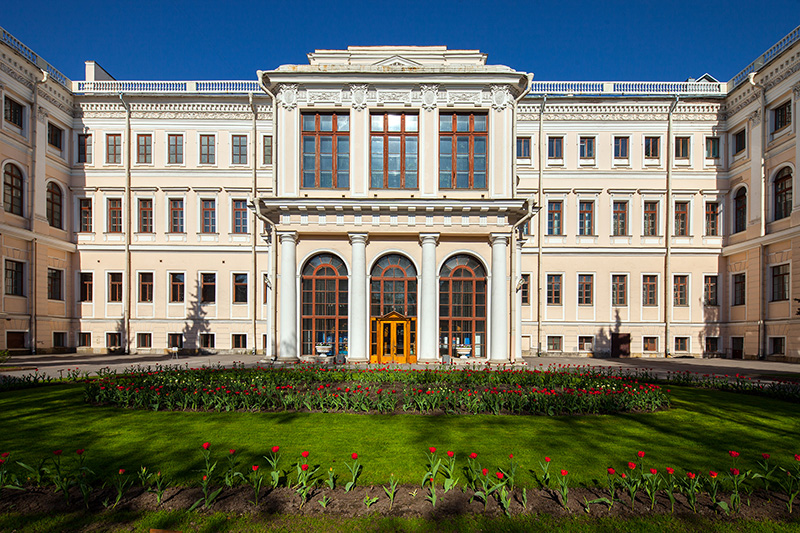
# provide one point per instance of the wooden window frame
(555, 343)
(382, 285)
(649, 344)
(523, 147)
(586, 216)
(86, 218)
(177, 287)
(146, 287)
(712, 147)
(682, 145)
(452, 135)
(324, 302)
(586, 148)
(239, 341)
(208, 149)
(711, 290)
(176, 217)
(740, 210)
(14, 278)
(13, 112)
(144, 340)
(115, 287)
(586, 289)
(145, 215)
(555, 147)
(555, 217)
(681, 344)
(113, 148)
(585, 342)
(86, 287)
(681, 219)
(649, 290)
(620, 218)
(740, 141)
(54, 205)
(13, 190)
(208, 288)
(267, 149)
(384, 136)
(463, 301)
(554, 289)
(144, 149)
(208, 215)
(652, 147)
(680, 290)
(783, 194)
(619, 290)
(238, 149)
(650, 218)
(239, 214)
(115, 224)
(739, 286)
(175, 149)
(55, 136)
(782, 116)
(240, 291)
(525, 289)
(712, 219)
(780, 282)
(317, 134)
(621, 144)
(84, 148)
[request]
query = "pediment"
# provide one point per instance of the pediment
(393, 315)
(397, 61)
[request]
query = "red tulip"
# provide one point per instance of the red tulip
(499, 475)
(485, 471)
(275, 449)
(450, 454)
(79, 452)
(546, 459)
(4, 455)
(632, 466)
(511, 456)
(690, 475)
(303, 467)
(733, 454)
(640, 454)
(473, 455)
(797, 457)
(121, 471)
(670, 471)
(354, 456)
(712, 474)
(206, 445)
(205, 478)
(255, 468)
(432, 449)
(611, 471)
(232, 451)
(765, 456)
(304, 454)
(735, 471)
(653, 471)
(57, 452)
(623, 476)
(564, 472)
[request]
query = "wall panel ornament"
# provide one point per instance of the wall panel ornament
(288, 95)
(463, 97)
(755, 117)
(358, 94)
(430, 94)
(326, 96)
(403, 97)
(501, 97)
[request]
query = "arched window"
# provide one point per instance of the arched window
(462, 306)
(12, 189)
(324, 311)
(740, 210)
(54, 203)
(783, 193)
(393, 288)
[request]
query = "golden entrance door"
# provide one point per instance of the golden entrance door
(396, 339)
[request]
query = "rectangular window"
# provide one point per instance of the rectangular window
(207, 340)
(176, 287)
(144, 340)
(240, 288)
(55, 136)
(712, 345)
(681, 219)
(739, 289)
(585, 289)
(239, 149)
(114, 215)
(146, 287)
(12, 112)
(650, 344)
(649, 288)
(114, 149)
(523, 147)
(208, 155)
(85, 215)
(681, 344)
(208, 288)
(145, 215)
(712, 219)
(115, 287)
(175, 149)
(554, 217)
(554, 289)
(14, 278)
(680, 288)
(621, 147)
(554, 343)
(326, 151)
(712, 147)
(55, 283)
(525, 290)
(84, 339)
(113, 340)
(651, 147)
(463, 140)
(555, 148)
(650, 226)
(777, 345)
(240, 216)
(620, 222)
(739, 141)
(782, 116)
(267, 150)
(175, 340)
(585, 344)
(586, 148)
(780, 283)
(710, 290)
(239, 340)
(176, 215)
(59, 339)
(209, 214)
(144, 149)
(86, 289)
(586, 218)
(681, 147)
(84, 148)
(619, 290)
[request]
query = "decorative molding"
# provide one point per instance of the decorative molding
(501, 97)
(16, 75)
(331, 96)
(755, 117)
(704, 112)
(288, 95)
(796, 90)
(43, 115)
(430, 94)
(394, 97)
(173, 110)
(458, 97)
(358, 94)
(63, 107)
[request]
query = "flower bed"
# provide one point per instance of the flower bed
(383, 390)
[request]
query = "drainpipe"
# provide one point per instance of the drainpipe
(540, 232)
(668, 227)
(254, 229)
(126, 320)
(762, 293)
(31, 210)
(516, 312)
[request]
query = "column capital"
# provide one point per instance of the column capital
(358, 238)
(499, 238)
(286, 236)
(428, 238)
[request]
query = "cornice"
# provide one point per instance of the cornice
(11, 71)
(618, 112)
(172, 110)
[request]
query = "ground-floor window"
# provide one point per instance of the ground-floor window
(462, 306)
(324, 304)
(144, 340)
(554, 343)
(393, 289)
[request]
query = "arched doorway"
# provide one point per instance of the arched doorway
(393, 310)
(324, 305)
(462, 308)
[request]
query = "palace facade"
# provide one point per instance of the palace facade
(400, 204)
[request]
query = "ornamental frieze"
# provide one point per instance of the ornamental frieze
(16, 75)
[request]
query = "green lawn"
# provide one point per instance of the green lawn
(695, 433)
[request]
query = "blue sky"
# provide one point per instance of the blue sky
(578, 40)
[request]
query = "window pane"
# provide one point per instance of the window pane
(342, 123)
(377, 122)
(412, 123)
(445, 123)
(394, 122)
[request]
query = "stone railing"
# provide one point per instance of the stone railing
(623, 88)
(766, 57)
(162, 87)
(17, 45)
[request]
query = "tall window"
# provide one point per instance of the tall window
(208, 288)
(114, 149)
(14, 278)
(586, 148)
(176, 287)
(712, 219)
(681, 219)
(680, 288)
(462, 151)
(649, 288)
(267, 149)
(710, 290)
(144, 148)
(240, 288)
(554, 289)
(176, 215)
(115, 215)
(145, 215)
(324, 310)
(115, 287)
(209, 214)
(239, 147)
(525, 290)
(55, 136)
(394, 151)
(621, 147)
(681, 147)
(783, 193)
(554, 214)
(523, 147)
(462, 305)
(585, 289)
(620, 222)
(619, 290)
(739, 289)
(84, 148)
(175, 149)
(780, 283)
(55, 284)
(739, 141)
(146, 287)
(12, 189)
(13, 112)
(54, 202)
(651, 147)
(586, 218)
(782, 116)
(712, 147)
(326, 151)
(393, 288)
(555, 148)
(208, 155)
(86, 287)
(740, 210)
(85, 215)
(240, 216)
(650, 226)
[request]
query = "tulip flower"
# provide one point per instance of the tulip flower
(712, 474)
(690, 475)
(485, 471)
(304, 467)
(611, 471)
(499, 475)
(275, 449)
(354, 456)
(564, 472)
(640, 454)
(733, 454)
(206, 445)
(304, 455)
(632, 466)
(255, 468)
(473, 455)
(432, 449)
(121, 471)
(450, 454)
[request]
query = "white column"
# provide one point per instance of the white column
(287, 349)
(498, 350)
(357, 348)
(427, 338)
